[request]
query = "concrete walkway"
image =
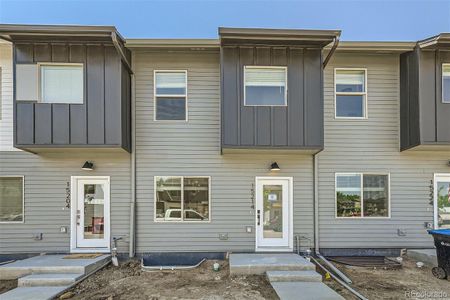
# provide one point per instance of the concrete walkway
(292, 276)
(44, 277)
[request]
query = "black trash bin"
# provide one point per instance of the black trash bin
(442, 243)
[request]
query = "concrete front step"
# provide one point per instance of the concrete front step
(51, 264)
(260, 263)
(305, 291)
(52, 279)
(289, 276)
(33, 293)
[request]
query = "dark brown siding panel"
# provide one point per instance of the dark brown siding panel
(126, 109)
(105, 115)
(112, 97)
(230, 98)
(404, 101)
(427, 85)
(24, 53)
(262, 115)
(299, 125)
(280, 114)
(60, 53)
(247, 117)
(43, 124)
(42, 53)
(61, 121)
(313, 98)
(25, 123)
(95, 95)
(295, 98)
(442, 109)
(78, 131)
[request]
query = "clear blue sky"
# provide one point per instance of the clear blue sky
(382, 20)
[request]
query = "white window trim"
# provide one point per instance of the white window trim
(362, 195)
(285, 88)
(442, 83)
(23, 200)
(182, 200)
(436, 177)
(39, 76)
(186, 119)
(366, 108)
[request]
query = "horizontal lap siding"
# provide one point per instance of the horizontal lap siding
(193, 148)
(6, 98)
(46, 178)
(373, 146)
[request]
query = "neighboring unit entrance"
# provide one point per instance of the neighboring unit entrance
(90, 219)
(274, 230)
(442, 201)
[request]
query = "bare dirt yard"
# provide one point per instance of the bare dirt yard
(129, 282)
(409, 282)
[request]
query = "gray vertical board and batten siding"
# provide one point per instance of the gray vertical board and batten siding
(424, 117)
(372, 146)
(101, 121)
(299, 125)
(174, 148)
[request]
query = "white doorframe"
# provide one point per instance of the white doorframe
(290, 202)
(438, 177)
(73, 215)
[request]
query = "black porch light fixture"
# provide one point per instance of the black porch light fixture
(88, 166)
(274, 167)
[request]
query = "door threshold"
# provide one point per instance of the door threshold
(268, 249)
(90, 250)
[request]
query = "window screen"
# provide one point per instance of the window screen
(265, 86)
(62, 84)
(350, 88)
(446, 83)
(170, 95)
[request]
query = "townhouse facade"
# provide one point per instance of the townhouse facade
(261, 140)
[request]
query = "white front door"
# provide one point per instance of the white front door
(90, 214)
(442, 201)
(274, 230)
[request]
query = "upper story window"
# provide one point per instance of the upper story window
(11, 199)
(362, 195)
(265, 86)
(170, 93)
(350, 93)
(446, 83)
(61, 83)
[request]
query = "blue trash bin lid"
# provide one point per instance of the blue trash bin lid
(440, 231)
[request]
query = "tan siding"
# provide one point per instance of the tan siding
(46, 178)
(193, 148)
(372, 145)
(6, 98)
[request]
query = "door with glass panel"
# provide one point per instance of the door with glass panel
(273, 214)
(92, 220)
(442, 201)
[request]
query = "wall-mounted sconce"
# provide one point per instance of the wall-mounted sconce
(448, 163)
(88, 166)
(274, 167)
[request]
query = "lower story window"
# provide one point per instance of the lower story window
(182, 198)
(11, 199)
(362, 195)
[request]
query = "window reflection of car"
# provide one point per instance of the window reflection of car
(444, 215)
(189, 214)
